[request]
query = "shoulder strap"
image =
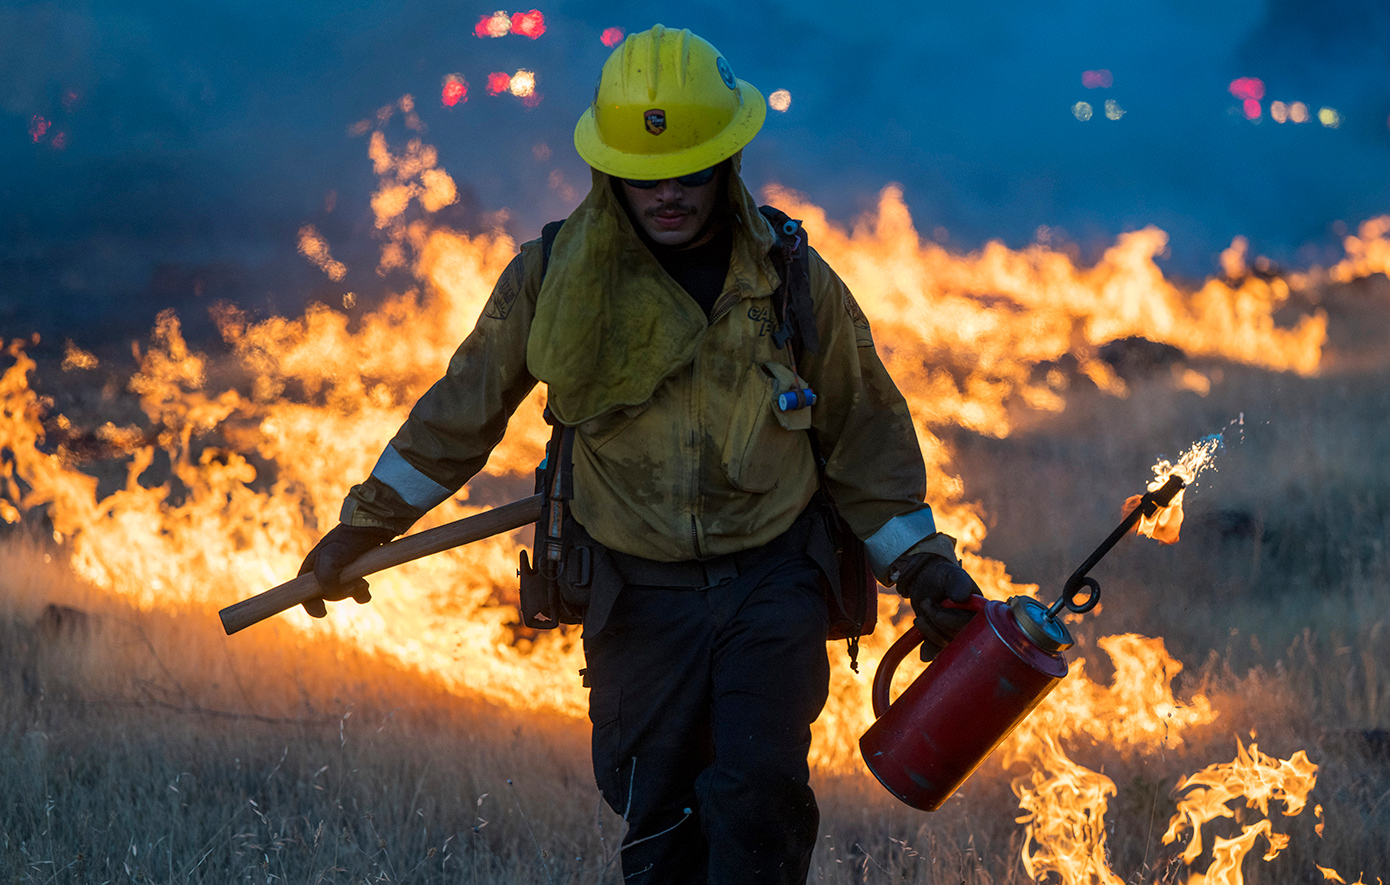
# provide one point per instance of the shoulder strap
(548, 234)
(796, 316)
(555, 477)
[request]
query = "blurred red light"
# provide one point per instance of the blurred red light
(1101, 79)
(528, 24)
(495, 25)
(498, 82)
(611, 36)
(1251, 108)
(455, 90)
(37, 127)
(1248, 88)
(60, 141)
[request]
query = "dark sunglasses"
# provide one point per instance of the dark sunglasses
(694, 179)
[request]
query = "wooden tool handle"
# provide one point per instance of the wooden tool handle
(241, 615)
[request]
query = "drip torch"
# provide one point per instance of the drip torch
(983, 683)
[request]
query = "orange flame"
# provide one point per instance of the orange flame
(257, 471)
(1254, 777)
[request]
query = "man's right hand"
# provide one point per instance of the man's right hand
(342, 545)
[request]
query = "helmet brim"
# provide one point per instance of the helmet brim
(747, 121)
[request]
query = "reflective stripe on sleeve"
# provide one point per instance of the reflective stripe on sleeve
(896, 536)
(413, 486)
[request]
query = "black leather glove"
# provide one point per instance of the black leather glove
(928, 580)
(331, 554)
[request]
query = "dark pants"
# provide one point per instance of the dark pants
(702, 702)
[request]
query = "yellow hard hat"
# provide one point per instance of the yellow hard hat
(667, 104)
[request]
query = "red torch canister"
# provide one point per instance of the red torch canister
(980, 686)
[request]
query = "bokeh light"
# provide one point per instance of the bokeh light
(1329, 117)
(523, 83)
(1113, 111)
(1248, 88)
(1251, 108)
(1101, 79)
(611, 36)
(38, 126)
(1081, 110)
(499, 24)
(1298, 112)
(498, 82)
(780, 100)
(528, 24)
(1278, 111)
(455, 90)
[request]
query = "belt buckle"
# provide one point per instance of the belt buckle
(719, 571)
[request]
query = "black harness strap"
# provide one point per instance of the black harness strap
(548, 234)
(796, 315)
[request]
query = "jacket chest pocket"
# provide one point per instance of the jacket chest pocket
(598, 431)
(762, 442)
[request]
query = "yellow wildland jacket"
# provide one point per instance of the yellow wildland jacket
(680, 451)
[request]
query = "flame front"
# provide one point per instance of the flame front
(1255, 778)
(257, 470)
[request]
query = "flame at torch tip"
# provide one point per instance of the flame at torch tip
(1165, 525)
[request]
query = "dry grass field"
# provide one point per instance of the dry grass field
(139, 744)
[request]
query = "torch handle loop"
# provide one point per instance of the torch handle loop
(1073, 589)
(883, 676)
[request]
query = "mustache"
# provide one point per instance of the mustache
(667, 208)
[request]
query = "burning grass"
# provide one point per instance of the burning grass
(141, 744)
(427, 737)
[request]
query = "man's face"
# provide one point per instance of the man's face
(672, 213)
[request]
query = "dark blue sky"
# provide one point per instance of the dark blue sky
(198, 138)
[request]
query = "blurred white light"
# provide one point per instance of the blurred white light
(1278, 111)
(523, 83)
(1113, 111)
(1081, 110)
(780, 100)
(1329, 118)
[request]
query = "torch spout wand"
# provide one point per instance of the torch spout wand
(1148, 506)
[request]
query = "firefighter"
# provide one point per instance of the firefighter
(650, 317)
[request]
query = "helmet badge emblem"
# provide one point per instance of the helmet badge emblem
(726, 73)
(656, 121)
